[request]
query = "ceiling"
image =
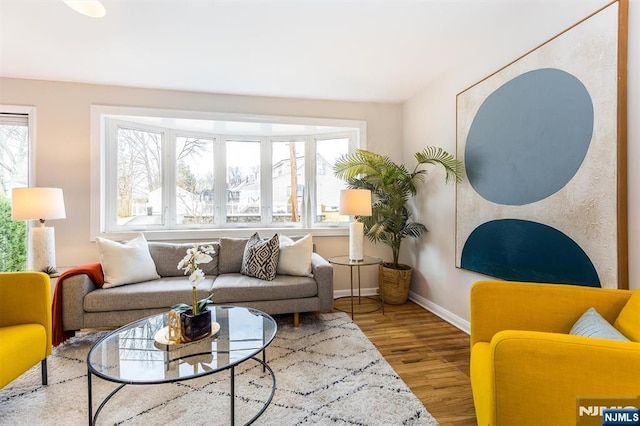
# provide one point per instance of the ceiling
(361, 50)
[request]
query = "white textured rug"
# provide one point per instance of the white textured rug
(327, 372)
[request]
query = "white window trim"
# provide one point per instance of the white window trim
(30, 112)
(98, 179)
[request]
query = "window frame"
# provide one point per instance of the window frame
(29, 112)
(104, 178)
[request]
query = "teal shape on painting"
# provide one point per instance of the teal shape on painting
(529, 137)
(521, 250)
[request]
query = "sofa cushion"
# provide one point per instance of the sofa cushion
(167, 256)
(295, 256)
(628, 321)
(162, 293)
(260, 258)
(237, 288)
(591, 324)
(231, 252)
(125, 263)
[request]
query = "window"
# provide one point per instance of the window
(15, 136)
(171, 171)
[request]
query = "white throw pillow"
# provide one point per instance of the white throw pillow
(295, 256)
(126, 263)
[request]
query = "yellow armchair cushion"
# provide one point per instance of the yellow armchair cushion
(501, 305)
(628, 322)
(23, 346)
(25, 322)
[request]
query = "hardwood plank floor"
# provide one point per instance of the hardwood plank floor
(430, 355)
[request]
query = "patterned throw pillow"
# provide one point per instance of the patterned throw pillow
(260, 259)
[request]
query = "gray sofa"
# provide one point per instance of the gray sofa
(85, 305)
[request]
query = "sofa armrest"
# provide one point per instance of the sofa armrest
(323, 274)
(539, 374)
(74, 289)
(503, 305)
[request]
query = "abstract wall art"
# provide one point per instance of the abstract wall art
(543, 141)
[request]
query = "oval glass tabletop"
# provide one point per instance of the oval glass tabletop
(131, 355)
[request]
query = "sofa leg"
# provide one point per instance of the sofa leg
(296, 319)
(43, 365)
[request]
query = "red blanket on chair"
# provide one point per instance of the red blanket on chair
(94, 271)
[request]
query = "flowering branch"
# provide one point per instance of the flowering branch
(189, 264)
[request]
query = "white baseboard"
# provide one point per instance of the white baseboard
(438, 310)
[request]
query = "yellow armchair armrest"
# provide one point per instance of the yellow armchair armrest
(538, 376)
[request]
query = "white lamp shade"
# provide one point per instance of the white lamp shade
(355, 202)
(91, 8)
(37, 203)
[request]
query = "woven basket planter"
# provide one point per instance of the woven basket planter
(394, 284)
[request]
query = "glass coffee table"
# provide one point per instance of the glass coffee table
(130, 355)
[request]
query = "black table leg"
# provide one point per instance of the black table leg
(233, 396)
(89, 398)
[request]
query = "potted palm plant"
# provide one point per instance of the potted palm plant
(392, 185)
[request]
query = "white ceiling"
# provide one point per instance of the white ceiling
(363, 50)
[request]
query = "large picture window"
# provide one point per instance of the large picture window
(161, 171)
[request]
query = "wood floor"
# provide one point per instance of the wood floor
(430, 355)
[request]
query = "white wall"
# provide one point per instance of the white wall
(63, 147)
(429, 118)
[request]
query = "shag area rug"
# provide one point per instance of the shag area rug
(327, 372)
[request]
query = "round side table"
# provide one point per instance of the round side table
(367, 261)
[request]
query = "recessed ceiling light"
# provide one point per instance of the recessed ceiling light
(92, 8)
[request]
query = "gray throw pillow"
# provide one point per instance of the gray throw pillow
(231, 252)
(167, 256)
(591, 324)
(260, 259)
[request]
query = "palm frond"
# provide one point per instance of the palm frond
(435, 155)
(360, 162)
(414, 229)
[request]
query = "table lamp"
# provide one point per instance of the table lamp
(42, 204)
(355, 202)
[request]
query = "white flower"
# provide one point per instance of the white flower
(195, 256)
(196, 277)
(203, 258)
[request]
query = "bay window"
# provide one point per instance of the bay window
(179, 171)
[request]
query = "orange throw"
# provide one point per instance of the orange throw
(94, 271)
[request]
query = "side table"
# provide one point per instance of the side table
(367, 261)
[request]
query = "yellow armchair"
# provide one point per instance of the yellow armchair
(25, 323)
(525, 367)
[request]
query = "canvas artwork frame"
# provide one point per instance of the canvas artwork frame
(543, 140)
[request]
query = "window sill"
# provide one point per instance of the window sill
(214, 234)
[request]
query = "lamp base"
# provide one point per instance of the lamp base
(356, 238)
(42, 250)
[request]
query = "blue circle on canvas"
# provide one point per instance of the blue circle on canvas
(522, 250)
(529, 137)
